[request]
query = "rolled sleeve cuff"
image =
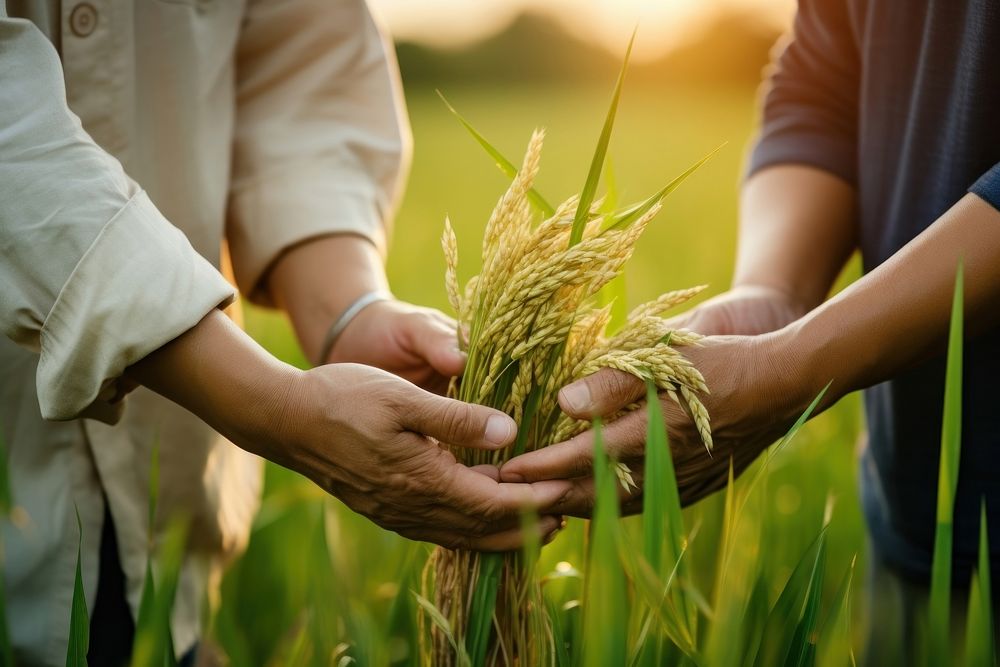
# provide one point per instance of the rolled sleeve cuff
(138, 286)
(988, 187)
(825, 152)
(266, 220)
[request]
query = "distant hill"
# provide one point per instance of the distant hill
(733, 48)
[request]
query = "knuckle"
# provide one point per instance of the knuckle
(617, 385)
(452, 417)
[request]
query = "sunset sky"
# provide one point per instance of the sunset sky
(662, 23)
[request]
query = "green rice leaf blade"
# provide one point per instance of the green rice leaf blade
(663, 523)
(834, 648)
(803, 648)
(505, 165)
(761, 471)
(147, 602)
(483, 605)
(438, 619)
(627, 216)
(605, 605)
(79, 619)
(153, 643)
(750, 624)
(776, 640)
(980, 644)
(951, 442)
(589, 191)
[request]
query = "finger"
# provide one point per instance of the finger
(457, 423)
(506, 540)
(490, 471)
(579, 499)
(624, 440)
(484, 500)
(436, 342)
(603, 393)
(573, 458)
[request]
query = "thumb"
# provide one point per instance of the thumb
(436, 342)
(601, 394)
(459, 424)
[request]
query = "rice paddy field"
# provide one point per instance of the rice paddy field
(321, 585)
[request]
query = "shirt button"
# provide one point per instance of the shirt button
(83, 19)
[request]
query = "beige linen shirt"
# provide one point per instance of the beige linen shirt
(134, 138)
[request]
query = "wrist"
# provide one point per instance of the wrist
(315, 282)
(812, 354)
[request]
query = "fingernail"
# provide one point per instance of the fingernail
(512, 477)
(576, 396)
(499, 429)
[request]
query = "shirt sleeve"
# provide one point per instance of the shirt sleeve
(321, 139)
(988, 187)
(810, 96)
(93, 277)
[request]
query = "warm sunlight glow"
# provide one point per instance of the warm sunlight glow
(663, 24)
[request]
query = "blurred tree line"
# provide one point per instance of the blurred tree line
(732, 48)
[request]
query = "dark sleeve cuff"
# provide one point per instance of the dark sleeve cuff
(988, 186)
(829, 153)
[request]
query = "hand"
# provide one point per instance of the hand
(744, 310)
(417, 344)
(752, 404)
(371, 440)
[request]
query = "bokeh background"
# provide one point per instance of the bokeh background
(315, 569)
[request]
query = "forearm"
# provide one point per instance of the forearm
(796, 231)
(220, 374)
(315, 282)
(898, 314)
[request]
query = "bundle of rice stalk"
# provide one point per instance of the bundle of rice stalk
(530, 325)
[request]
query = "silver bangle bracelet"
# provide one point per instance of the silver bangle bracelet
(346, 317)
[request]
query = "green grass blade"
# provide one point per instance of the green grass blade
(484, 601)
(147, 601)
(505, 165)
(662, 521)
(749, 625)
(597, 163)
(835, 635)
(79, 618)
(777, 640)
(153, 644)
(627, 216)
(951, 443)
(438, 619)
(802, 651)
(605, 605)
(655, 592)
(613, 293)
(980, 644)
(772, 451)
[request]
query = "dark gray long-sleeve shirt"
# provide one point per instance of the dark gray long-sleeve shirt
(901, 98)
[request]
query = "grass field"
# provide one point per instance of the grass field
(315, 571)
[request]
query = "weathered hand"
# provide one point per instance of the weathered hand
(371, 439)
(750, 407)
(745, 310)
(417, 344)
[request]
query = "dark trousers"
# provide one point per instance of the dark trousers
(112, 629)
